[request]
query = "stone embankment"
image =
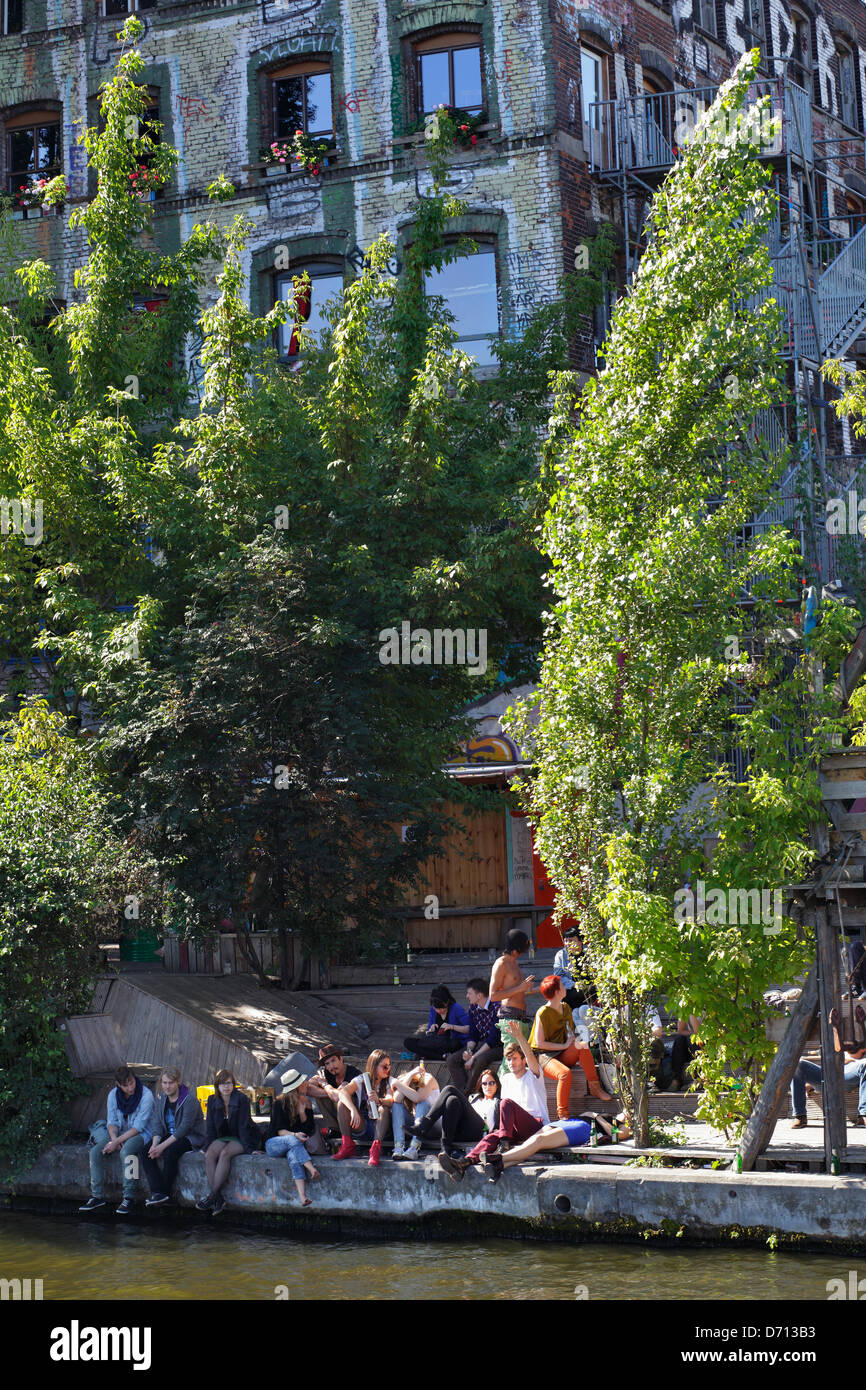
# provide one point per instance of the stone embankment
(563, 1201)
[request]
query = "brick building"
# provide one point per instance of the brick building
(580, 111)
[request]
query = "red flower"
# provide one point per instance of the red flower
(464, 127)
(298, 132)
(474, 140)
(315, 170)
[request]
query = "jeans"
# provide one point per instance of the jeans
(287, 1146)
(461, 1123)
(161, 1173)
(399, 1116)
(854, 1075)
(128, 1169)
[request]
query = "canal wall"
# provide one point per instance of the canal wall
(558, 1201)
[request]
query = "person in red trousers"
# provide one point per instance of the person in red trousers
(554, 1043)
(522, 1111)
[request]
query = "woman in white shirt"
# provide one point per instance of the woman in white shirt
(464, 1119)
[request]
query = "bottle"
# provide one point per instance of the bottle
(614, 1132)
(593, 1136)
(739, 1163)
(371, 1099)
(422, 1069)
(396, 974)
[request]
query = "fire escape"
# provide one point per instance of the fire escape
(819, 266)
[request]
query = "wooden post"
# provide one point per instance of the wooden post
(762, 1120)
(832, 1062)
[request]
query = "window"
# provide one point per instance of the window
(847, 86)
(468, 287)
(855, 209)
(800, 65)
(112, 7)
(33, 155)
(301, 100)
(149, 125)
(593, 90)
(448, 73)
(753, 14)
(326, 281)
(657, 121)
(707, 15)
(11, 16)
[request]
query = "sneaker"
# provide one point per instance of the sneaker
(205, 1203)
(157, 1199)
(219, 1204)
(399, 1152)
(93, 1204)
(414, 1149)
(126, 1207)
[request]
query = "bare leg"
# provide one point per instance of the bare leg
(301, 1185)
(550, 1137)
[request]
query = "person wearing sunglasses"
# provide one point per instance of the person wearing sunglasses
(464, 1119)
(369, 1099)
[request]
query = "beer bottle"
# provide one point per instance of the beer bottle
(593, 1136)
(614, 1132)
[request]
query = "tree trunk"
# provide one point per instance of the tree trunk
(285, 974)
(249, 955)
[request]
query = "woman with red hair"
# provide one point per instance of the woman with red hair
(553, 1042)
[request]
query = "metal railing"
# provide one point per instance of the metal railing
(643, 133)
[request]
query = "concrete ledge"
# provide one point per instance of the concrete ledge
(560, 1201)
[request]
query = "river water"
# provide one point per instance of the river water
(76, 1260)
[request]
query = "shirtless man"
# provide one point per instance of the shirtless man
(508, 986)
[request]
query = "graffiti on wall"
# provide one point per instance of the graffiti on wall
(189, 110)
(275, 10)
(527, 289)
(305, 41)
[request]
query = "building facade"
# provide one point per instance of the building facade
(579, 110)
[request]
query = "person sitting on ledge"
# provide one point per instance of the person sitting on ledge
(292, 1126)
(809, 1077)
(553, 1041)
(333, 1073)
(178, 1129)
(464, 1119)
(229, 1131)
(369, 1099)
(447, 1028)
(483, 1046)
(522, 1111)
(413, 1093)
(126, 1130)
(563, 1134)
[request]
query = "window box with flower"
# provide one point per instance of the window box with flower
(301, 153)
(144, 182)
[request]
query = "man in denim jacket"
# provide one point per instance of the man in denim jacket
(127, 1130)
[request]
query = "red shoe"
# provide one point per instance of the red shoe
(375, 1153)
(346, 1149)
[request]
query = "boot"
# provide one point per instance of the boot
(454, 1167)
(375, 1154)
(347, 1148)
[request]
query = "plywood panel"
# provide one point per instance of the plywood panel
(472, 870)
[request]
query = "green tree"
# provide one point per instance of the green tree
(64, 878)
(666, 619)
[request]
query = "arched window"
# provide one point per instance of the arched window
(11, 16)
(800, 64)
(658, 122)
(34, 154)
(469, 288)
(448, 72)
(847, 85)
(326, 281)
(301, 99)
